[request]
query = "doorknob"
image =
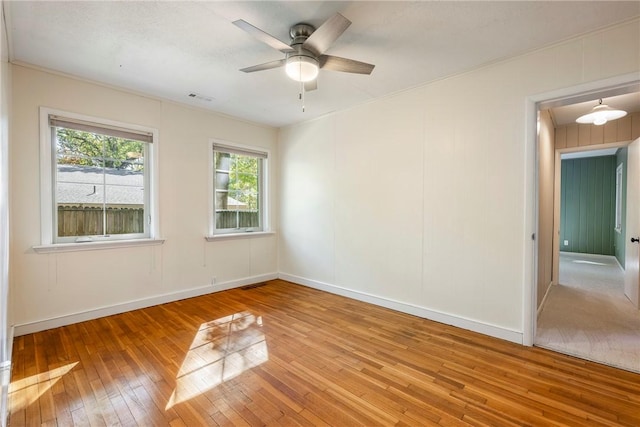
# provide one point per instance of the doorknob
(635, 239)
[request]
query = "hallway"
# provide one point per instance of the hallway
(588, 315)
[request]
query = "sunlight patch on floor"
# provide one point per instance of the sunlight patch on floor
(581, 261)
(221, 350)
(24, 392)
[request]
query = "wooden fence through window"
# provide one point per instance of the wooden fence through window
(88, 221)
(237, 219)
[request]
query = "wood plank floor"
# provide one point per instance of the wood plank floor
(283, 354)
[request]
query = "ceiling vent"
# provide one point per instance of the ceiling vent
(201, 97)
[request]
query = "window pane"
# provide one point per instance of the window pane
(74, 220)
(79, 208)
(237, 192)
(100, 184)
(124, 209)
(618, 224)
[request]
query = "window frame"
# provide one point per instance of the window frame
(263, 190)
(48, 161)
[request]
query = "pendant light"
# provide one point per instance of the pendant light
(601, 114)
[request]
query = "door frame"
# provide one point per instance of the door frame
(569, 95)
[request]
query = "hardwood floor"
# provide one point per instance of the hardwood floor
(283, 354)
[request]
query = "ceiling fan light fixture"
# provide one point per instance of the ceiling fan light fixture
(601, 114)
(302, 68)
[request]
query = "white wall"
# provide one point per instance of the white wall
(422, 201)
(5, 327)
(59, 288)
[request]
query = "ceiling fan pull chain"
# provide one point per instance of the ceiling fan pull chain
(302, 94)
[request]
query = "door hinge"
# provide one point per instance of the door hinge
(533, 236)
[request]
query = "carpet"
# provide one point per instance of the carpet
(588, 316)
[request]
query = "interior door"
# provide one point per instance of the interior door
(632, 250)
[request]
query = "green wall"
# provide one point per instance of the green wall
(619, 238)
(587, 210)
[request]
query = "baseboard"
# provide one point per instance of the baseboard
(544, 299)
(243, 282)
(619, 265)
(68, 319)
(586, 255)
(449, 319)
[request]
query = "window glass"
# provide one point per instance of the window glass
(238, 195)
(618, 224)
(100, 185)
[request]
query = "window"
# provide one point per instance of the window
(99, 173)
(238, 189)
(618, 225)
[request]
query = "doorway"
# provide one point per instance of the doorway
(580, 282)
(586, 312)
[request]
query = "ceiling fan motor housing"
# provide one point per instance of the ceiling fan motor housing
(299, 34)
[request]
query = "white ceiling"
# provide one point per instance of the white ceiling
(171, 49)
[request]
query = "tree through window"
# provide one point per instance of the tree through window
(238, 189)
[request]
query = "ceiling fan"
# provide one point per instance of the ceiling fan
(305, 55)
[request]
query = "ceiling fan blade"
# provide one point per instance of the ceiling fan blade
(335, 63)
(265, 66)
(320, 40)
(262, 36)
(311, 85)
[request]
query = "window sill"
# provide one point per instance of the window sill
(244, 235)
(92, 246)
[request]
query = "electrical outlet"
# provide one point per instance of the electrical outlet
(566, 243)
